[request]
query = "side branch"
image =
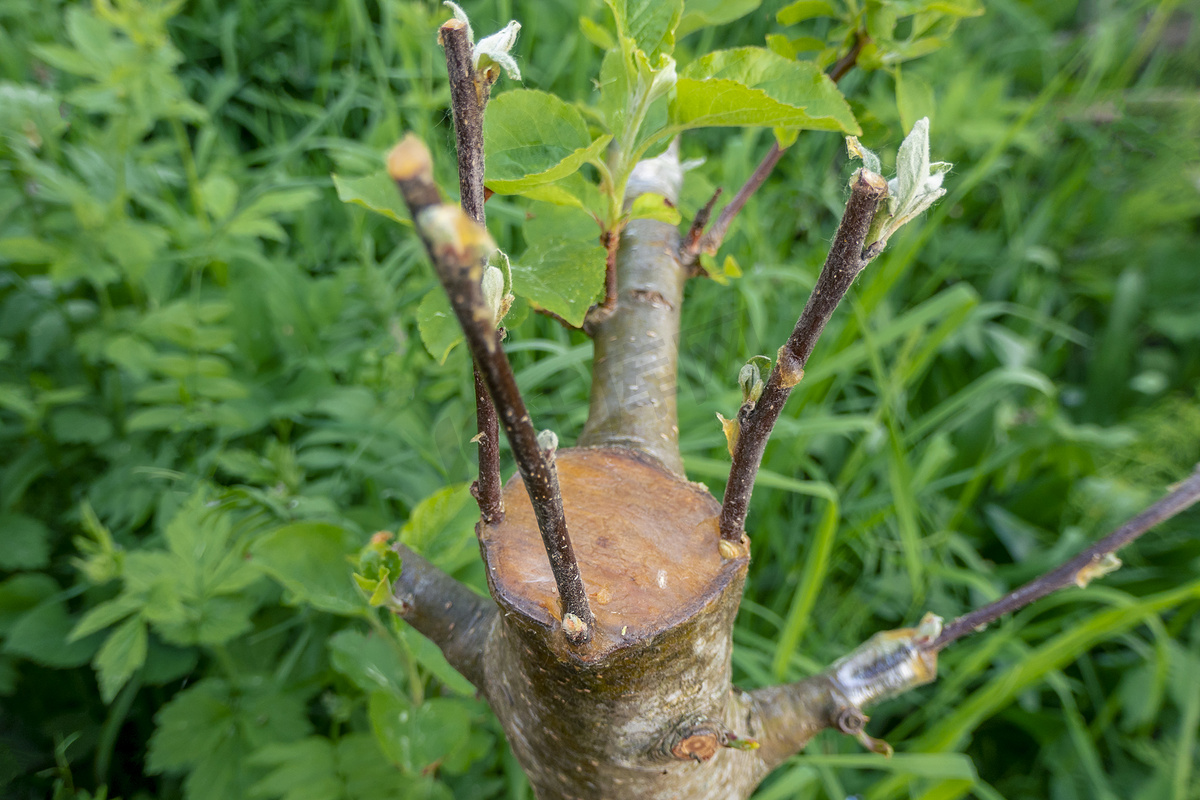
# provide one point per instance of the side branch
(893, 662)
(446, 612)
(458, 246)
(757, 418)
(1091, 563)
(468, 96)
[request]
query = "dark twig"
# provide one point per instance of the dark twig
(693, 246)
(458, 246)
(691, 242)
(712, 240)
(468, 97)
(755, 419)
(487, 490)
(847, 62)
(1075, 571)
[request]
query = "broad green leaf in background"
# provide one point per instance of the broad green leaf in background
(376, 192)
(439, 328)
(24, 542)
(417, 738)
(699, 14)
(369, 661)
(310, 559)
(19, 594)
(564, 276)
(41, 636)
(532, 138)
(756, 87)
(914, 98)
(442, 527)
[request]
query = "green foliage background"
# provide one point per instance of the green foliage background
(213, 389)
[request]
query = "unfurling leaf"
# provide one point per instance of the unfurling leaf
(916, 187)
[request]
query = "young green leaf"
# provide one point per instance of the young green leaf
(563, 276)
(756, 87)
(533, 138)
(917, 185)
(375, 192)
(654, 206)
(648, 24)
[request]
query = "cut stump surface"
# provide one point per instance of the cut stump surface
(646, 541)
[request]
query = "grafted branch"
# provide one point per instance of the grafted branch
(458, 247)
(756, 418)
(446, 612)
(469, 92)
(894, 662)
(1092, 562)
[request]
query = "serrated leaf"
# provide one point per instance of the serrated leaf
(122, 654)
(209, 729)
(562, 276)
(756, 87)
(107, 613)
(650, 24)
(309, 558)
(303, 770)
(439, 328)
(699, 14)
(376, 192)
(352, 768)
(532, 138)
(416, 739)
(26, 542)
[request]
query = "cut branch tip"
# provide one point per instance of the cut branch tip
(410, 159)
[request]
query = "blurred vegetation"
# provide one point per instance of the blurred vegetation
(213, 389)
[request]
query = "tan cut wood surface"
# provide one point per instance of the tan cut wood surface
(646, 541)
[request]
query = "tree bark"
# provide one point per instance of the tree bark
(637, 343)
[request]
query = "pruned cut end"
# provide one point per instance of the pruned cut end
(409, 159)
(873, 181)
(643, 537)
